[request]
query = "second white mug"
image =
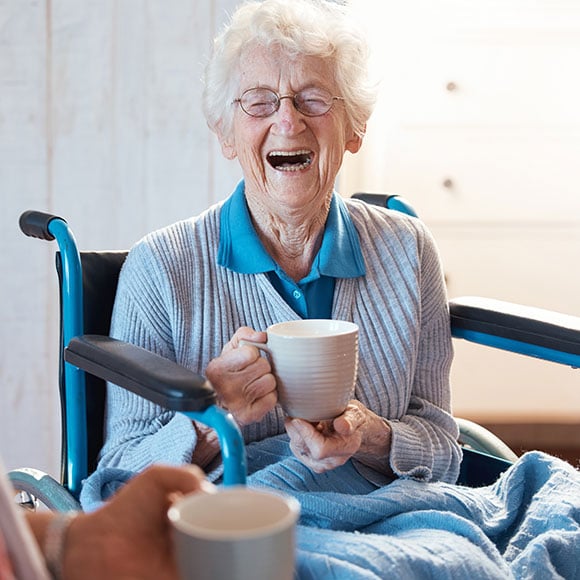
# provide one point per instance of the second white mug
(235, 534)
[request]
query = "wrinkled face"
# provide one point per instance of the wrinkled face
(289, 160)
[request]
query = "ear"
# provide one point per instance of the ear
(227, 144)
(228, 150)
(354, 143)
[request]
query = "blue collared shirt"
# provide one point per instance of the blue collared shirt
(339, 256)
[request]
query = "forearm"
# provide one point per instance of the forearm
(140, 434)
(85, 555)
(77, 551)
(375, 448)
(207, 446)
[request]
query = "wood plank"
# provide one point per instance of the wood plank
(29, 432)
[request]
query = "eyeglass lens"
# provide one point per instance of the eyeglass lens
(261, 102)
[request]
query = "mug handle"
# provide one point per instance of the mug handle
(261, 345)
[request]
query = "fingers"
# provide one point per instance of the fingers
(314, 455)
(299, 427)
(262, 406)
(247, 412)
(245, 333)
(249, 393)
(320, 446)
(162, 480)
(243, 379)
(307, 441)
(144, 500)
(302, 436)
(260, 382)
(204, 486)
(353, 418)
(236, 360)
(163, 485)
(240, 372)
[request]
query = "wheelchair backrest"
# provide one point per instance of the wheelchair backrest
(100, 276)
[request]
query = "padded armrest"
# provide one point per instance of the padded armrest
(507, 325)
(142, 372)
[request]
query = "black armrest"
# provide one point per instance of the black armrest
(142, 372)
(513, 322)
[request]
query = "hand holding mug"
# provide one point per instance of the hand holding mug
(243, 379)
(358, 433)
(326, 445)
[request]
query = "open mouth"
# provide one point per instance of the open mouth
(290, 160)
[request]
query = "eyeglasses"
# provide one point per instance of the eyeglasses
(261, 102)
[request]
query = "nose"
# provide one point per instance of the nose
(288, 120)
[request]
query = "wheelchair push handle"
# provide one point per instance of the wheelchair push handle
(35, 224)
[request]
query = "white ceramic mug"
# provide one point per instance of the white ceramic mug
(315, 362)
(237, 533)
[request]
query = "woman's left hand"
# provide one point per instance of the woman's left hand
(358, 432)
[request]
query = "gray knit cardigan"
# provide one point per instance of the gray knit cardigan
(175, 300)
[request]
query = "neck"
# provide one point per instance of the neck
(292, 239)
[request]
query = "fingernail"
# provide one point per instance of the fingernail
(208, 487)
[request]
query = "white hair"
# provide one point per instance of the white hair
(319, 28)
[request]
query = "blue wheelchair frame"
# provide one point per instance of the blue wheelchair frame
(529, 331)
(48, 227)
(532, 332)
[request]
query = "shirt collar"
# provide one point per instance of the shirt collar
(241, 250)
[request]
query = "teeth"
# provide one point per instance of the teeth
(297, 160)
(290, 153)
(293, 167)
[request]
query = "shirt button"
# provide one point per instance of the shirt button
(296, 294)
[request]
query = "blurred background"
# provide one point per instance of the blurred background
(477, 124)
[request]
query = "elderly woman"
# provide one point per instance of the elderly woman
(287, 94)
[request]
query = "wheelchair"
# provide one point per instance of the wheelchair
(89, 358)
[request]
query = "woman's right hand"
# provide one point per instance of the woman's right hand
(243, 379)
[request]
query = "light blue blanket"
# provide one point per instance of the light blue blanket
(526, 525)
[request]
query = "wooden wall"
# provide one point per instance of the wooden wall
(100, 122)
